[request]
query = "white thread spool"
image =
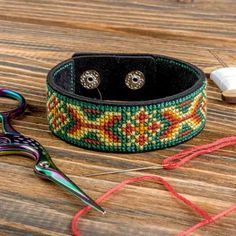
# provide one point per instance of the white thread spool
(225, 79)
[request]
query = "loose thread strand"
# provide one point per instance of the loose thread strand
(171, 162)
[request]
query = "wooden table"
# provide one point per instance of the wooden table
(36, 36)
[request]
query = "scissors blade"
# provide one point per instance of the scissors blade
(59, 178)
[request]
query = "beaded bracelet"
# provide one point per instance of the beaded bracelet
(124, 102)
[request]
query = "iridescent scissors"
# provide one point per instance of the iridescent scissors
(12, 142)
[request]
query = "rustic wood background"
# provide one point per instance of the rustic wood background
(35, 35)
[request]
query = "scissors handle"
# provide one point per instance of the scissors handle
(6, 116)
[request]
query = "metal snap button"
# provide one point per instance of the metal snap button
(135, 80)
(90, 79)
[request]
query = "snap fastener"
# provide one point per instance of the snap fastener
(90, 79)
(135, 80)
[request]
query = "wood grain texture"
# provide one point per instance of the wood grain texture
(35, 35)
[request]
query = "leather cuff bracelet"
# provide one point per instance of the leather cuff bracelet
(125, 103)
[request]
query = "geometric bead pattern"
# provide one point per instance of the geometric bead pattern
(182, 121)
(100, 126)
(125, 128)
(140, 128)
(56, 113)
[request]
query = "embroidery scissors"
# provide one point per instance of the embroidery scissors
(13, 142)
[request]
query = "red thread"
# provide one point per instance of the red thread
(205, 222)
(182, 157)
(171, 162)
